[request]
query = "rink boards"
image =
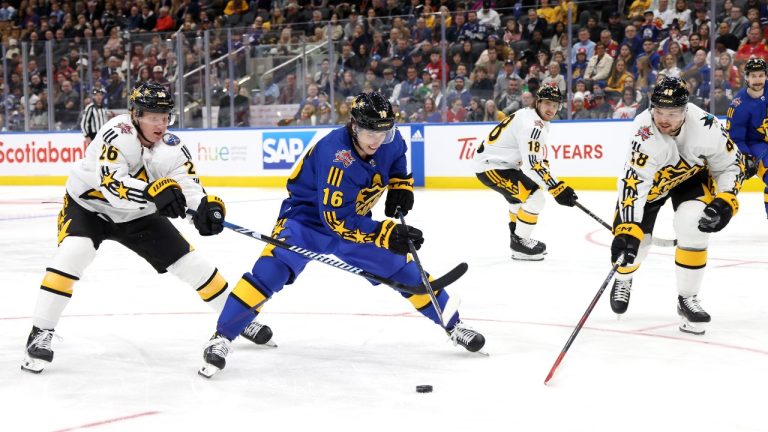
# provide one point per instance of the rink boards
(587, 154)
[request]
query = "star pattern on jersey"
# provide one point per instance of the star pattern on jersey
(628, 201)
(122, 191)
(108, 179)
(670, 176)
(632, 181)
(279, 227)
(763, 128)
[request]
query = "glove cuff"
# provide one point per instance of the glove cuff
(558, 188)
(385, 230)
(402, 183)
(630, 229)
(213, 199)
(160, 185)
(731, 200)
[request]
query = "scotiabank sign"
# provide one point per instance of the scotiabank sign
(573, 149)
(40, 154)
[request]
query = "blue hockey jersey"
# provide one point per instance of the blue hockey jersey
(332, 188)
(748, 123)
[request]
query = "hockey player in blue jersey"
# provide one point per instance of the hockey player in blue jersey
(748, 121)
(328, 210)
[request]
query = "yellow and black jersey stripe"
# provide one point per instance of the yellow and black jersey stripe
(335, 175)
(542, 169)
(118, 188)
(338, 227)
(629, 195)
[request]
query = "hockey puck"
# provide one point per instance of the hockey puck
(423, 389)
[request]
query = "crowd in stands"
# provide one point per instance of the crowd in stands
(494, 56)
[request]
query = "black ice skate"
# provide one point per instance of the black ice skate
(215, 355)
(39, 353)
(694, 317)
(260, 334)
(527, 249)
(470, 339)
(620, 295)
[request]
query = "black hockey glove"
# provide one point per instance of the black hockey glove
(750, 166)
(209, 219)
(718, 213)
(395, 237)
(564, 194)
(399, 194)
(627, 242)
(167, 196)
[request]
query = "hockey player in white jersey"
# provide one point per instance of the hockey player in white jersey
(512, 162)
(681, 153)
(134, 176)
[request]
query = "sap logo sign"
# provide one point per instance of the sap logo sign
(282, 149)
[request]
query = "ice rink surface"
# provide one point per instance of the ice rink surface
(350, 354)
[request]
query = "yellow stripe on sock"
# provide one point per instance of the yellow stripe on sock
(212, 287)
(691, 259)
(525, 217)
(58, 283)
(248, 293)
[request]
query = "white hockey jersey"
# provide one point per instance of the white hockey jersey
(518, 142)
(657, 163)
(111, 178)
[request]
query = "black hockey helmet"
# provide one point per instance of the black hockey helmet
(372, 111)
(151, 97)
(755, 64)
(547, 92)
(670, 93)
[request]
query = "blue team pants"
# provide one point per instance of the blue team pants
(279, 267)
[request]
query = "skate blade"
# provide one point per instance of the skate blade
(33, 365)
(482, 353)
(524, 257)
(697, 329)
(208, 370)
(270, 343)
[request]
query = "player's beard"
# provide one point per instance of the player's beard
(757, 88)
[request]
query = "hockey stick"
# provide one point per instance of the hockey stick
(584, 318)
(452, 276)
(656, 241)
(424, 277)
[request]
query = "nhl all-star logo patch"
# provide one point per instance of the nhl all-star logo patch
(124, 128)
(736, 102)
(539, 124)
(345, 157)
(171, 139)
(644, 132)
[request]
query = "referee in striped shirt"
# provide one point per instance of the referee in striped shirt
(94, 116)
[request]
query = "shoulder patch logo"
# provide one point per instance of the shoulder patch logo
(124, 128)
(345, 157)
(736, 102)
(539, 124)
(708, 119)
(644, 132)
(171, 139)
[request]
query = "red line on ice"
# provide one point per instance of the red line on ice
(103, 422)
